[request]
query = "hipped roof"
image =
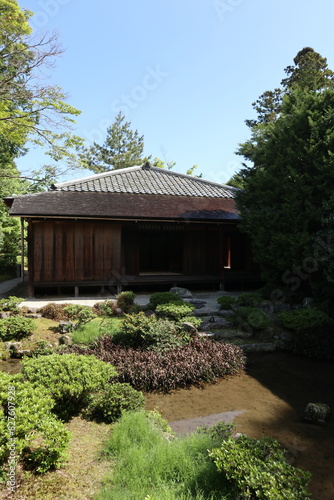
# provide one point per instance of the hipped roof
(132, 193)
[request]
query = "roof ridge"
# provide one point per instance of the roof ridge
(94, 176)
(194, 179)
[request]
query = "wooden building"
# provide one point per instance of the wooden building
(133, 227)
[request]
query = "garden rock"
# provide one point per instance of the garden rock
(4, 315)
(65, 326)
(308, 302)
(267, 307)
(184, 293)
(316, 413)
(189, 328)
(65, 340)
(278, 308)
(32, 315)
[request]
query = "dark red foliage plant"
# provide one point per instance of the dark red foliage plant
(201, 360)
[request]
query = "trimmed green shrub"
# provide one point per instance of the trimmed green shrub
(305, 318)
(158, 298)
(69, 378)
(80, 314)
(54, 311)
(250, 318)
(105, 308)
(108, 405)
(257, 468)
(149, 332)
(39, 439)
(125, 301)
(248, 299)
(16, 327)
(10, 304)
(175, 312)
(226, 302)
(194, 320)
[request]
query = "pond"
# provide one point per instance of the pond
(269, 398)
(11, 366)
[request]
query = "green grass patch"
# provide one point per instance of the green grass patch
(89, 332)
(152, 465)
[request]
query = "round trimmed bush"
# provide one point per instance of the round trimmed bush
(158, 298)
(109, 404)
(226, 302)
(15, 327)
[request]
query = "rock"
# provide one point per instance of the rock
(308, 302)
(189, 328)
(149, 312)
(4, 315)
(13, 346)
(268, 307)
(65, 340)
(32, 315)
(65, 326)
(316, 413)
(217, 324)
(183, 292)
(278, 308)
(199, 304)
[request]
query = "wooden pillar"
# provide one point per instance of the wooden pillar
(22, 249)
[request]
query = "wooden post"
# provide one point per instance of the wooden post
(22, 249)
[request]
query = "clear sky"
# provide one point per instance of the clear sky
(184, 72)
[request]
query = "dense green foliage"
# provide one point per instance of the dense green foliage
(108, 405)
(257, 469)
(291, 175)
(125, 301)
(150, 332)
(175, 312)
(305, 318)
(80, 314)
(250, 318)
(70, 379)
(10, 304)
(158, 298)
(15, 327)
(122, 148)
(226, 302)
(249, 299)
(39, 439)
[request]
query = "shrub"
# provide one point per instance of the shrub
(54, 311)
(250, 318)
(200, 361)
(158, 298)
(125, 301)
(15, 327)
(249, 299)
(316, 342)
(149, 332)
(105, 308)
(108, 405)
(305, 318)
(68, 378)
(194, 320)
(82, 314)
(10, 304)
(226, 302)
(40, 438)
(175, 312)
(257, 468)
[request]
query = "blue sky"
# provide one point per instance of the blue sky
(184, 72)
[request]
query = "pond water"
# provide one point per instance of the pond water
(10, 366)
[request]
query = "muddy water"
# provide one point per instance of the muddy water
(271, 397)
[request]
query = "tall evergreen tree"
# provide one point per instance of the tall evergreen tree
(291, 176)
(122, 148)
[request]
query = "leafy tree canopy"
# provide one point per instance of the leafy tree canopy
(291, 176)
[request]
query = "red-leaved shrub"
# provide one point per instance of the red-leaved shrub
(199, 361)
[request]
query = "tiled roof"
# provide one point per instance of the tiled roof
(121, 206)
(147, 180)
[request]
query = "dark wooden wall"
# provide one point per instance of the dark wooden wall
(74, 251)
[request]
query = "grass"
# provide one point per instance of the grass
(80, 478)
(93, 330)
(150, 467)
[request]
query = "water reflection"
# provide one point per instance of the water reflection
(11, 366)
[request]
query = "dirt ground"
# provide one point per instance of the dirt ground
(273, 393)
